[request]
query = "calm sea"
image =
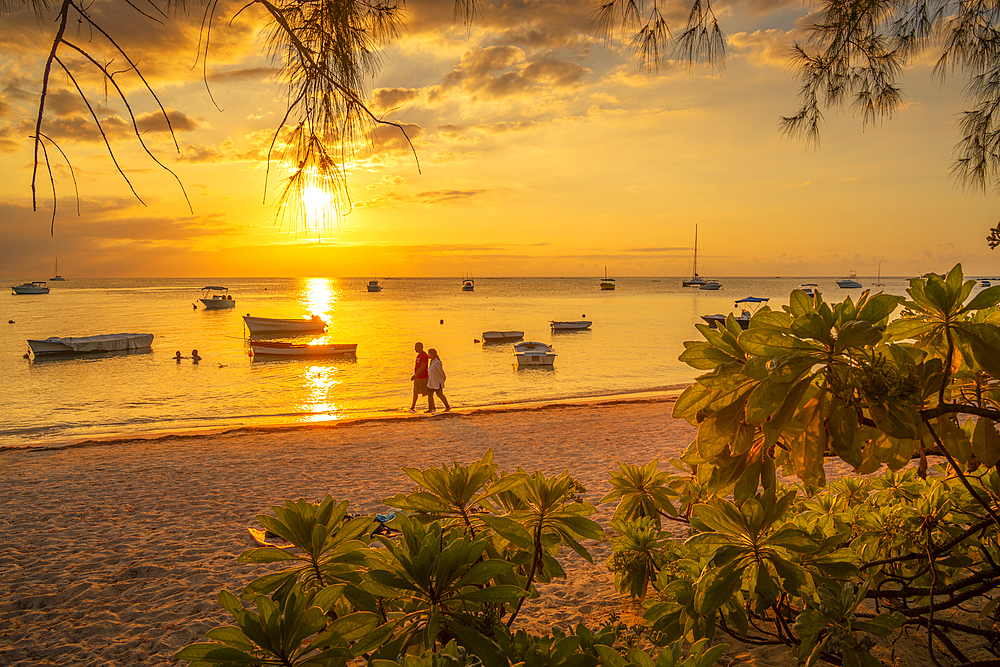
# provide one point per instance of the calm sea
(637, 334)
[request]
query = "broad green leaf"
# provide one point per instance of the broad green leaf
(986, 442)
(769, 342)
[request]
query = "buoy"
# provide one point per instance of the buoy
(10, 321)
(442, 321)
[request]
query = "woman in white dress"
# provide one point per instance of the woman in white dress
(435, 382)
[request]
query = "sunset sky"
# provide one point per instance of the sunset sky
(542, 151)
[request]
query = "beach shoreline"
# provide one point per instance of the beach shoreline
(361, 417)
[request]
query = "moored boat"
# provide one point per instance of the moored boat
(216, 297)
(530, 353)
(276, 325)
(607, 283)
(809, 289)
(57, 278)
(468, 284)
(578, 325)
(748, 308)
(501, 336)
(264, 348)
(695, 280)
(373, 286)
(84, 344)
(711, 285)
(849, 282)
(35, 287)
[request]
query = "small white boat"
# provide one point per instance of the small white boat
(710, 285)
(373, 286)
(217, 298)
(748, 308)
(468, 285)
(534, 354)
(809, 289)
(274, 325)
(36, 287)
(84, 344)
(984, 282)
(501, 336)
(850, 282)
(301, 350)
(579, 325)
(57, 278)
(607, 283)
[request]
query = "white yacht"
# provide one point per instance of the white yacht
(850, 282)
(534, 354)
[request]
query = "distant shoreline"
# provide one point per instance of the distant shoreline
(653, 394)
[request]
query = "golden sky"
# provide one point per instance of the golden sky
(542, 151)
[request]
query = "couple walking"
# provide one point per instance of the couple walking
(428, 378)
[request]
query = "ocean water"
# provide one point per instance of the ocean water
(637, 334)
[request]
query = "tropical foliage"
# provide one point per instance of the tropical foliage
(832, 571)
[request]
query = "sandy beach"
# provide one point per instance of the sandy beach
(114, 553)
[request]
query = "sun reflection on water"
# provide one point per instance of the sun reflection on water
(319, 383)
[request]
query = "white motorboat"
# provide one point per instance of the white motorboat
(748, 308)
(373, 286)
(579, 325)
(272, 325)
(710, 285)
(607, 283)
(216, 297)
(695, 280)
(36, 287)
(83, 344)
(530, 353)
(850, 282)
(501, 336)
(984, 282)
(294, 350)
(468, 284)
(809, 289)
(57, 278)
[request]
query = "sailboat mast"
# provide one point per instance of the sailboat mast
(696, 250)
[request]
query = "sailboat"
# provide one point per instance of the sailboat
(696, 280)
(57, 277)
(607, 283)
(878, 281)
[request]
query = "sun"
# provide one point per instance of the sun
(316, 201)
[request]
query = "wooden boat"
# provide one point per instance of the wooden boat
(217, 298)
(501, 336)
(301, 350)
(85, 344)
(274, 325)
(534, 354)
(579, 325)
(607, 283)
(36, 287)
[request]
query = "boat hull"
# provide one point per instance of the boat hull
(534, 354)
(570, 326)
(501, 336)
(719, 321)
(710, 286)
(849, 284)
(29, 289)
(218, 304)
(89, 344)
(272, 325)
(292, 351)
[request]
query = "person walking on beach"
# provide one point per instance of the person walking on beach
(419, 376)
(435, 381)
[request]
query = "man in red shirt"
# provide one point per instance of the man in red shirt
(419, 376)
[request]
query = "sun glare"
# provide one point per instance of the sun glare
(319, 297)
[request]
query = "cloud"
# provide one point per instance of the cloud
(443, 196)
(8, 144)
(764, 47)
(387, 99)
(502, 71)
